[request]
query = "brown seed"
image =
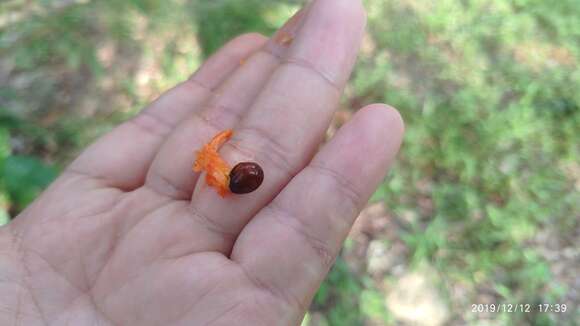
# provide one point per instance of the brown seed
(246, 177)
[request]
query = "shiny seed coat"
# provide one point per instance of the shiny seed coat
(245, 177)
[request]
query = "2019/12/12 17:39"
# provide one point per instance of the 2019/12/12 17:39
(520, 307)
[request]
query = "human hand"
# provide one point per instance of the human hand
(129, 235)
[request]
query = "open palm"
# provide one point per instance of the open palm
(129, 235)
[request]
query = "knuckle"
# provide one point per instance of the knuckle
(151, 123)
(195, 82)
(164, 186)
(273, 290)
(219, 111)
(211, 224)
(321, 248)
(264, 146)
(346, 191)
(310, 68)
(211, 122)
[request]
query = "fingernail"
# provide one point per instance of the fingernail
(284, 37)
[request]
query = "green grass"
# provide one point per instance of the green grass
(488, 90)
(490, 98)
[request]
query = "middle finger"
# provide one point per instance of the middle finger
(289, 118)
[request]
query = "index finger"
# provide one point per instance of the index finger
(288, 248)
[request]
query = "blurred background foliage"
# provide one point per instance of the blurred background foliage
(483, 203)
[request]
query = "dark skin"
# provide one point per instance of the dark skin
(129, 235)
